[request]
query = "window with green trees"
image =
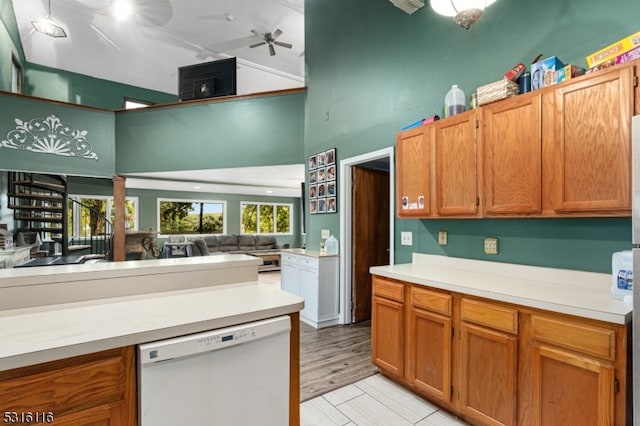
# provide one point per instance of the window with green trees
(87, 217)
(191, 217)
(266, 218)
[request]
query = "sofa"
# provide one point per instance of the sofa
(263, 246)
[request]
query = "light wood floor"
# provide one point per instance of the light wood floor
(330, 357)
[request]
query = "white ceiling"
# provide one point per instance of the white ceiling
(162, 35)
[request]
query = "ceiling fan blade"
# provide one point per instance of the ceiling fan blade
(281, 44)
(272, 51)
(276, 34)
(257, 33)
(258, 44)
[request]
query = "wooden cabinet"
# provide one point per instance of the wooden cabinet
(387, 326)
(316, 280)
(592, 143)
(574, 380)
(429, 343)
(488, 367)
(456, 166)
(494, 363)
(438, 169)
(413, 152)
(512, 157)
(561, 151)
(95, 389)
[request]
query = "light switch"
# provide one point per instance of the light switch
(325, 233)
(406, 238)
(491, 245)
(442, 238)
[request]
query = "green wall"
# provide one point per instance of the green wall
(384, 69)
(9, 43)
(148, 204)
(64, 86)
(235, 133)
(99, 126)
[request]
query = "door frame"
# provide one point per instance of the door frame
(346, 213)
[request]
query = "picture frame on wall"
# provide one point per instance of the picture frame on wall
(331, 205)
(330, 156)
(323, 191)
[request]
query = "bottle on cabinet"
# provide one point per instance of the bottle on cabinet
(455, 101)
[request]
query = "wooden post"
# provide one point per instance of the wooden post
(119, 236)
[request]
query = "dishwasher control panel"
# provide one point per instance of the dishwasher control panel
(185, 346)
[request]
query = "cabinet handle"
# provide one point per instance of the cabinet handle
(616, 386)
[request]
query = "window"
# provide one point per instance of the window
(82, 223)
(265, 218)
(16, 75)
(129, 103)
(191, 217)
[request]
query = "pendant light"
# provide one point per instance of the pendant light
(48, 26)
(464, 12)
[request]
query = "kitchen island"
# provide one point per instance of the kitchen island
(508, 344)
(98, 313)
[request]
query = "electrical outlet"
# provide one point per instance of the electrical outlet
(442, 238)
(406, 238)
(325, 233)
(491, 245)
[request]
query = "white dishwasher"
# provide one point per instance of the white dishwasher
(234, 376)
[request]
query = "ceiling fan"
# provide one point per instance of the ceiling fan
(270, 40)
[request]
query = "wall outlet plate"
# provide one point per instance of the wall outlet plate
(442, 238)
(325, 233)
(491, 245)
(406, 238)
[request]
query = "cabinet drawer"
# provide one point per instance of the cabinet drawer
(431, 300)
(489, 315)
(388, 289)
(585, 338)
(68, 388)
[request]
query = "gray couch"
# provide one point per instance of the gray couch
(263, 246)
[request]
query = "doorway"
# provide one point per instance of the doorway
(363, 246)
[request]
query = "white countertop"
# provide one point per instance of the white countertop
(584, 294)
(40, 334)
(308, 253)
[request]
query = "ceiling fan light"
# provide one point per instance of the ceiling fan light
(121, 9)
(49, 27)
(453, 7)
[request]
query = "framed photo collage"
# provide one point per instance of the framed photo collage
(323, 172)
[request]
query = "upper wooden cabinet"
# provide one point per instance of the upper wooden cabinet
(592, 143)
(438, 169)
(512, 156)
(561, 151)
(456, 166)
(413, 152)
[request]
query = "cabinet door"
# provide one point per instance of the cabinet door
(488, 391)
(593, 142)
(413, 172)
(456, 166)
(309, 292)
(512, 156)
(387, 335)
(290, 276)
(571, 389)
(429, 342)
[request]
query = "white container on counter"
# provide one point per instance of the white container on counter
(622, 274)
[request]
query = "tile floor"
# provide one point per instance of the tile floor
(373, 401)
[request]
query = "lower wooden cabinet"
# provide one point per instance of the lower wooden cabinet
(387, 327)
(493, 363)
(95, 389)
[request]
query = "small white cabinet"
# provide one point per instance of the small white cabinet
(314, 278)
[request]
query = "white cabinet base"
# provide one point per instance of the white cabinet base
(315, 279)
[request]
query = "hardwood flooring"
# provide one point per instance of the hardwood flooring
(333, 357)
(330, 357)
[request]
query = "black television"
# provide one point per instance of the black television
(207, 80)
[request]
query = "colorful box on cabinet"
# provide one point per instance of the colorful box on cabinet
(543, 72)
(611, 52)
